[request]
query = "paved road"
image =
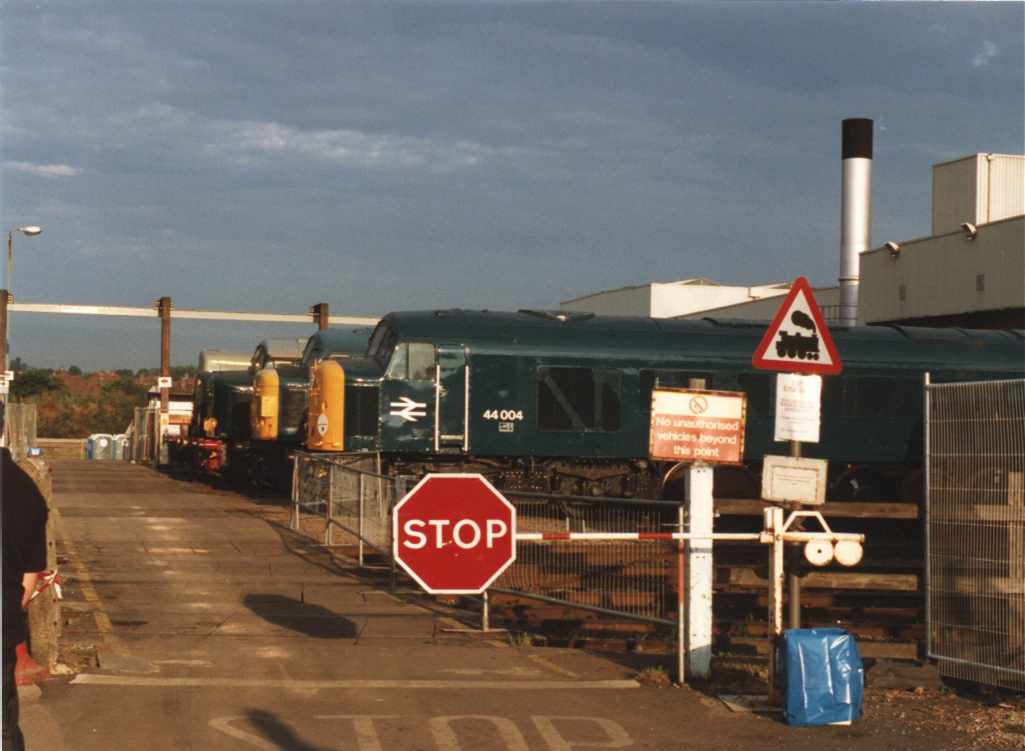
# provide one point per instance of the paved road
(217, 628)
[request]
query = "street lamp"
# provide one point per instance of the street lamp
(30, 231)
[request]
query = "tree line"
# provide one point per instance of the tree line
(63, 414)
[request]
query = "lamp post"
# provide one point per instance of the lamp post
(5, 293)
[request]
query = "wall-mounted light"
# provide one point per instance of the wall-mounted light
(894, 249)
(970, 230)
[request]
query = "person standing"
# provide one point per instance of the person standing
(24, 515)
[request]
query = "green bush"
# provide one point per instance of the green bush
(34, 381)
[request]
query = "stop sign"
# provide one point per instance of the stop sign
(454, 533)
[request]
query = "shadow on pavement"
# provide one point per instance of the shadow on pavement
(306, 618)
(277, 732)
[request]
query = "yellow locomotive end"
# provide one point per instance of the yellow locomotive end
(263, 415)
(325, 419)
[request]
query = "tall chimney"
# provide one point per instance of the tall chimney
(855, 211)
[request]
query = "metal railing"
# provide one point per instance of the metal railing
(19, 428)
(635, 578)
(343, 501)
(975, 495)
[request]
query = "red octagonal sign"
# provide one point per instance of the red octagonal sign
(454, 533)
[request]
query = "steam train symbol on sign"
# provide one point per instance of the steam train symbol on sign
(801, 346)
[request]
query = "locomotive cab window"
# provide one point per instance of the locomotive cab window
(382, 342)
(579, 399)
(412, 361)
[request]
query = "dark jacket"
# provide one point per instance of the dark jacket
(24, 542)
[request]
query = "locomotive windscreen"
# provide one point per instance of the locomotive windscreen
(361, 403)
(294, 408)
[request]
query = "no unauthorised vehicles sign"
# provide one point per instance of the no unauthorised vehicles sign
(690, 425)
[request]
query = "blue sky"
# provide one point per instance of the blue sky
(268, 155)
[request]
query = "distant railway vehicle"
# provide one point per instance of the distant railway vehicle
(250, 411)
(220, 413)
(280, 398)
(560, 401)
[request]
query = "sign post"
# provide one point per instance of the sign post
(697, 428)
(799, 345)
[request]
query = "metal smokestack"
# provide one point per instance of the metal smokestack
(855, 211)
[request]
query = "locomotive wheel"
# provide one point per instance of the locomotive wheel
(857, 484)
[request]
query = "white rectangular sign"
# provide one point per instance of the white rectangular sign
(798, 407)
(164, 382)
(787, 478)
(8, 375)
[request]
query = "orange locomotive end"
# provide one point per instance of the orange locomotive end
(325, 420)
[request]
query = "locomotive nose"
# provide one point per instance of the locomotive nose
(325, 416)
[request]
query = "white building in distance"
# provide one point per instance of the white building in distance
(671, 299)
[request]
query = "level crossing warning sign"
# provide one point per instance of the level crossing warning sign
(798, 340)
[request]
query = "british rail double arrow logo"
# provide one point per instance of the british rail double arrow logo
(408, 410)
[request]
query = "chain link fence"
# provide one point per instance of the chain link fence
(975, 465)
(19, 428)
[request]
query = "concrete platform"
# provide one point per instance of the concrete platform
(216, 627)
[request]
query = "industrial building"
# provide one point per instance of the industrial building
(969, 272)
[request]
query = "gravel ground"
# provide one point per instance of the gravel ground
(968, 722)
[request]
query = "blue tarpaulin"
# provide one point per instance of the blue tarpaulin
(825, 680)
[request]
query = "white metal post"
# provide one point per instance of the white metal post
(681, 600)
(293, 517)
(328, 532)
(699, 571)
(359, 520)
(774, 522)
(926, 504)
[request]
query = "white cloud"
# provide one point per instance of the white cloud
(987, 53)
(356, 148)
(44, 170)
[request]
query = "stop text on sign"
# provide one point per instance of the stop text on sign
(691, 425)
(465, 533)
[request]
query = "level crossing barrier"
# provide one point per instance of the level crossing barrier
(342, 502)
(617, 556)
(975, 543)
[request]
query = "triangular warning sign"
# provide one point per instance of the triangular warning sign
(797, 340)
